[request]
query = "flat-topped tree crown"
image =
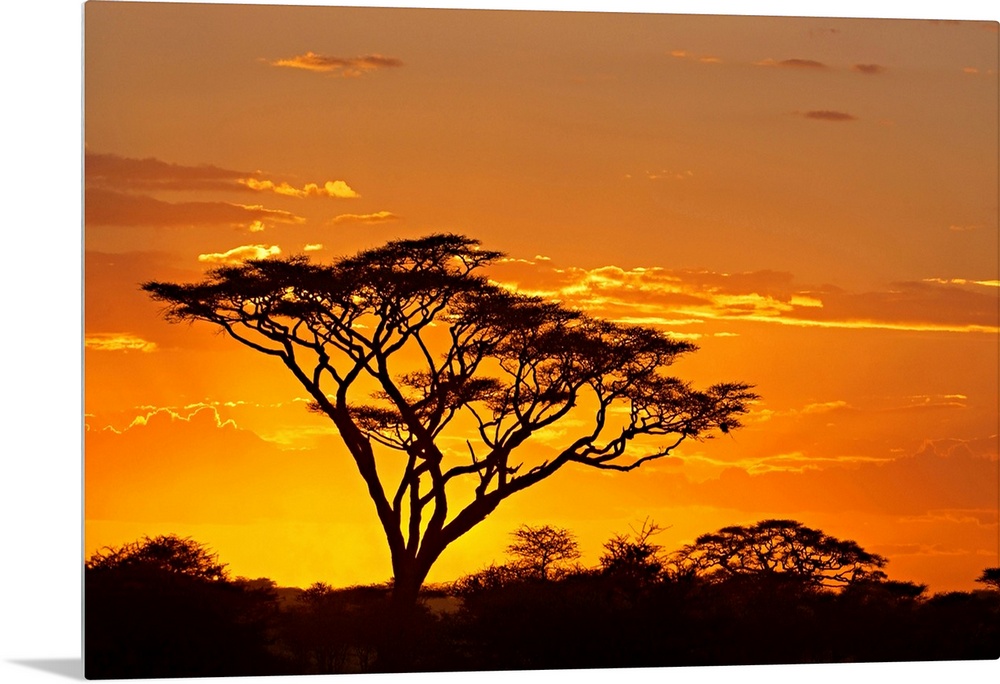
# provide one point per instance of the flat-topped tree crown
(778, 549)
(446, 347)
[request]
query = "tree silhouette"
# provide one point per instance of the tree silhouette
(168, 553)
(164, 607)
(781, 548)
(990, 577)
(335, 630)
(399, 343)
(541, 550)
(490, 578)
(634, 557)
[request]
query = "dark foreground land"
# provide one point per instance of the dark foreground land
(153, 622)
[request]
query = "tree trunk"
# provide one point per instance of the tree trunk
(400, 643)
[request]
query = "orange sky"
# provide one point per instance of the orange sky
(811, 201)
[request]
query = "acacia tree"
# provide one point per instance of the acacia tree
(540, 550)
(634, 557)
(400, 343)
(770, 547)
(990, 577)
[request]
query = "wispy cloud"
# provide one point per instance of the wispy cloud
(666, 174)
(935, 478)
(662, 297)
(869, 69)
(117, 342)
(112, 208)
(828, 115)
(962, 281)
(703, 59)
(202, 413)
(240, 254)
(793, 63)
(312, 247)
(150, 174)
(377, 217)
(124, 191)
(345, 67)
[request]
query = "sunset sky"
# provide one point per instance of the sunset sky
(812, 201)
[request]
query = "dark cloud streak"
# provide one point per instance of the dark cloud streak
(802, 63)
(792, 63)
(870, 69)
(828, 115)
(114, 171)
(109, 208)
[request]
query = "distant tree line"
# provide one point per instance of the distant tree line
(768, 593)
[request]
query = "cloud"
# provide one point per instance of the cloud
(337, 189)
(981, 517)
(704, 59)
(663, 297)
(312, 247)
(240, 254)
(794, 63)
(870, 69)
(194, 465)
(202, 414)
(665, 174)
(949, 474)
(825, 406)
(925, 402)
(149, 174)
(123, 342)
(113, 172)
(909, 305)
(828, 115)
(377, 217)
(962, 281)
(111, 208)
(345, 67)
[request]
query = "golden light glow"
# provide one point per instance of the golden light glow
(746, 195)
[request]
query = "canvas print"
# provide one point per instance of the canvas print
(424, 340)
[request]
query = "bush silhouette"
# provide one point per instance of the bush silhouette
(163, 607)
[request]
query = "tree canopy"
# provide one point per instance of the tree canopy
(785, 548)
(990, 577)
(634, 556)
(164, 607)
(167, 553)
(541, 550)
(399, 343)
